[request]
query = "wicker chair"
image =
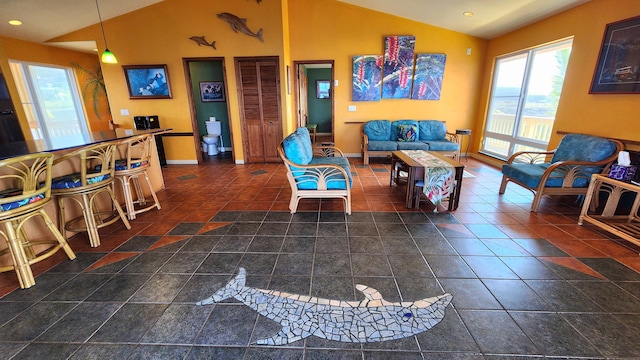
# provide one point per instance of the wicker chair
(26, 189)
(92, 173)
(315, 172)
(135, 155)
(569, 170)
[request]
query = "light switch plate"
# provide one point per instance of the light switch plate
(352, 108)
(124, 112)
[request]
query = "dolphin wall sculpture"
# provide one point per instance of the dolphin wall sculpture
(370, 320)
(239, 25)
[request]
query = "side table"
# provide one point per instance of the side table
(462, 133)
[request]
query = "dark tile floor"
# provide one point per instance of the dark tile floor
(524, 285)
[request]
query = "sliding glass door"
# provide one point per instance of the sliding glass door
(51, 102)
(524, 99)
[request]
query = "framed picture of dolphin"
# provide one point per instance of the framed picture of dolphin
(147, 81)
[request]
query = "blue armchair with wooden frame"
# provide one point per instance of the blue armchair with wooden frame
(568, 171)
(315, 171)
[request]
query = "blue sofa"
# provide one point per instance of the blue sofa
(569, 170)
(315, 171)
(381, 137)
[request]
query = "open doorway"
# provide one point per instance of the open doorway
(314, 97)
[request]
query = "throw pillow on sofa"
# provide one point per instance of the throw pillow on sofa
(407, 133)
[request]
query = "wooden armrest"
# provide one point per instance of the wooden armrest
(531, 155)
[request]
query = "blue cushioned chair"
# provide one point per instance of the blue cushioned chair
(568, 171)
(315, 171)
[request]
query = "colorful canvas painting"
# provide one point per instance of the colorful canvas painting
(427, 81)
(367, 77)
(398, 67)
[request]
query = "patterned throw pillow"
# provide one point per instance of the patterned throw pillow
(407, 132)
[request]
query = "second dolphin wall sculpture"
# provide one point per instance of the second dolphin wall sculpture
(370, 320)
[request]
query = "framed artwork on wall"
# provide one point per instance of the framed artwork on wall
(427, 78)
(147, 81)
(323, 89)
(618, 67)
(367, 78)
(398, 67)
(211, 91)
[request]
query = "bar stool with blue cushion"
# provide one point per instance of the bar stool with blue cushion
(26, 188)
(135, 159)
(92, 173)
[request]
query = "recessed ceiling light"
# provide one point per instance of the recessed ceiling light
(468, 14)
(15, 22)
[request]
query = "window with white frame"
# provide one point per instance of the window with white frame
(50, 99)
(525, 92)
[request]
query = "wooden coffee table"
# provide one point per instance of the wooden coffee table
(415, 172)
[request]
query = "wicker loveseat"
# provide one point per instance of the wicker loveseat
(568, 171)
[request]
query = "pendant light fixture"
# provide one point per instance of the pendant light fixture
(107, 55)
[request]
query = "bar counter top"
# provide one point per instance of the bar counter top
(67, 143)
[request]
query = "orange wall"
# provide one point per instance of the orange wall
(609, 115)
(159, 34)
(304, 30)
(27, 51)
(328, 29)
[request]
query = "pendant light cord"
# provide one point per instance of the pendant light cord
(101, 26)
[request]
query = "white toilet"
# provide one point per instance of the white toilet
(212, 137)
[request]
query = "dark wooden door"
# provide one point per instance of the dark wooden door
(259, 98)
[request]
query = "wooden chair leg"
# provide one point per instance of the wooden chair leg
(153, 193)
(503, 184)
(61, 240)
(20, 261)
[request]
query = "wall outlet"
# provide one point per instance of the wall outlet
(124, 112)
(352, 108)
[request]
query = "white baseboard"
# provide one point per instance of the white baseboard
(239, 162)
(182, 162)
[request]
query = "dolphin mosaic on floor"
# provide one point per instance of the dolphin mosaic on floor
(370, 320)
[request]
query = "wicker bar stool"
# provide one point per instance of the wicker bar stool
(135, 155)
(26, 189)
(92, 174)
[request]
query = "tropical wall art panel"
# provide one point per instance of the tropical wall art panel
(367, 77)
(398, 67)
(427, 81)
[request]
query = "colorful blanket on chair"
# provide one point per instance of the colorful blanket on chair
(438, 176)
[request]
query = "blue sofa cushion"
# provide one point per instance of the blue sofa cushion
(395, 125)
(382, 146)
(441, 145)
(415, 145)
(579, 147)
(407, 133)
(377, 130)
(297, 147)
(529, 175)
(432, 130)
